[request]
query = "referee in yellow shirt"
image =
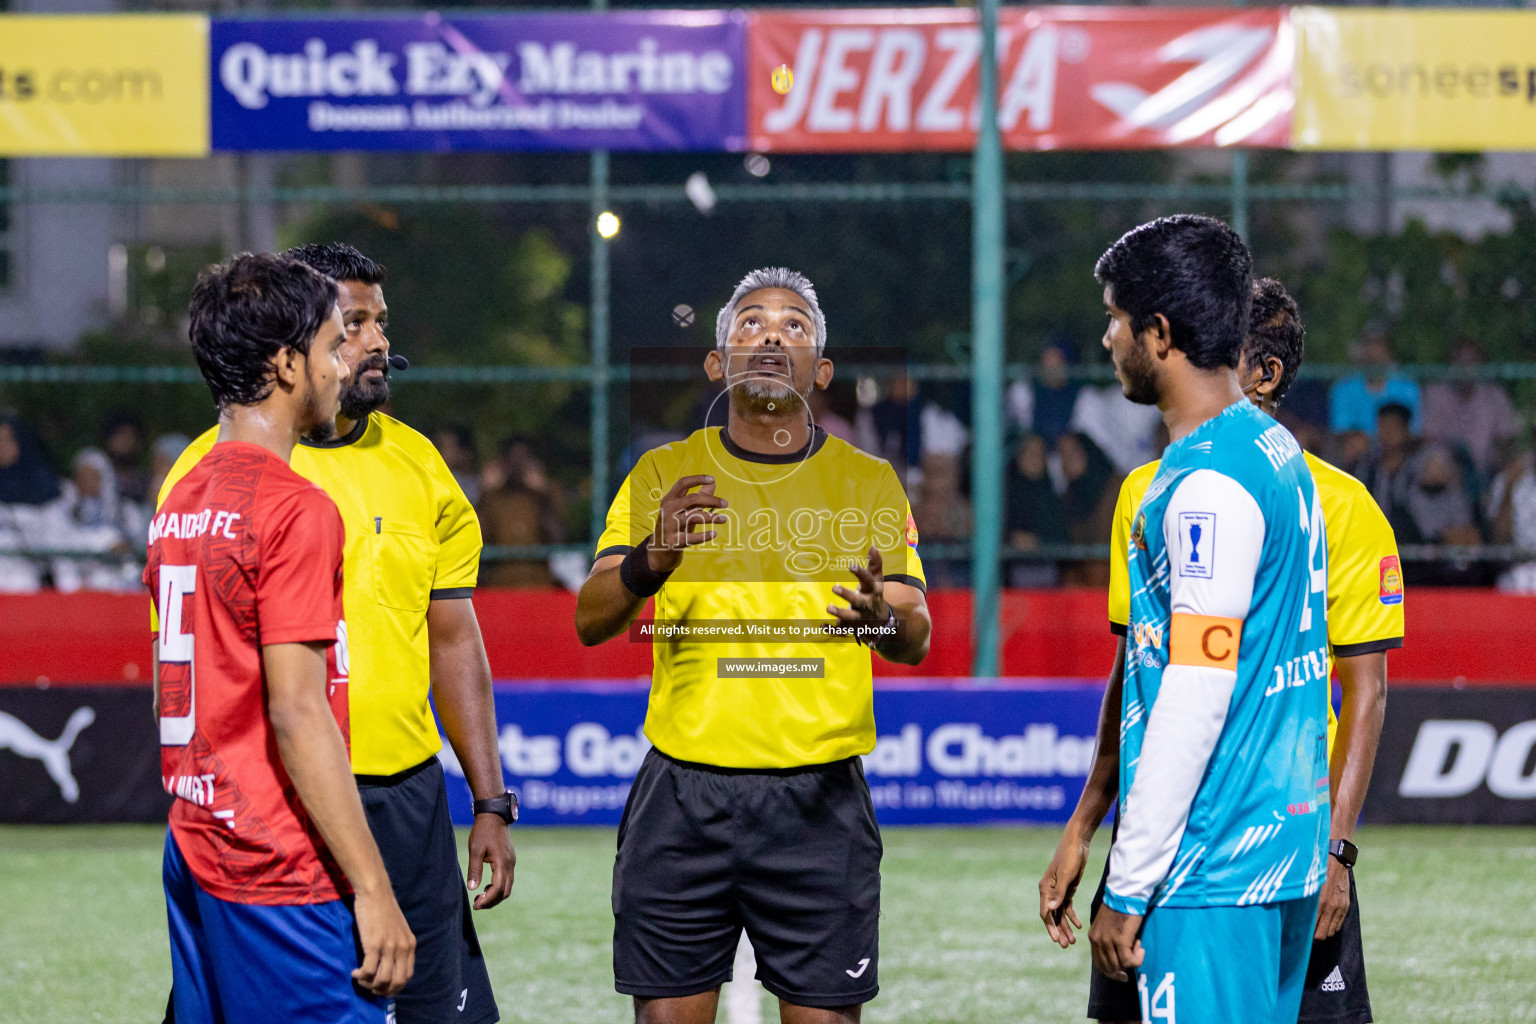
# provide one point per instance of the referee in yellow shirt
(751, 810)
(1365, 621)
(410, 565)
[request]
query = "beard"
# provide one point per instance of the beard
(757, 389)
(360, 396)
(1139, 376)
(321, 427)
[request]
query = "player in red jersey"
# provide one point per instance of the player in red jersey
(267, 840)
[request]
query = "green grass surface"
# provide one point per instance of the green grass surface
(1450, 928)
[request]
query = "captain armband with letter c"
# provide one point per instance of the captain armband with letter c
(1205, 641)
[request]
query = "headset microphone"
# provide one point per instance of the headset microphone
(399, 363)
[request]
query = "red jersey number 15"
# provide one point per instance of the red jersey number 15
(178, 693)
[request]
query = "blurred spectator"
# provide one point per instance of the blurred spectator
(162, 457)
(1093, 486)
(1355, 399)
(523, 507)
(27, 483)
(1120, 428)
(92, 516)
(1386, 472)
(1441, 511)
(123, 438)
(943, 516)
(1045, 404)
(456, 444)
(895, 433)
(827, 418)
(1036, 515)
(1512, 515)
(25, 476)
(1476, 414)
(941, 510)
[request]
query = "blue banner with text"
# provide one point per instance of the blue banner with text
(949, 752)
(631, 80)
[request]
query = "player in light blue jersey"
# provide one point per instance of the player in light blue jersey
(1212, 891)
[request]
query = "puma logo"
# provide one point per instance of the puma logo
(18, 737)
(863, 966)
(463, 998)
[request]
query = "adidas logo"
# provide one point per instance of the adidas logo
(1334, 982)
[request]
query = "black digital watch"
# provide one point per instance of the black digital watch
(504, 806)
(1344, 851)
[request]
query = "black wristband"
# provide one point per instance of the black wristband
(636, 574)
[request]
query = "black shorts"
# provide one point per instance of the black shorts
(1335, 991)
(791, 855)
(408, 815)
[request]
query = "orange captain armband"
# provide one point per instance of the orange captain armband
(1204, 641)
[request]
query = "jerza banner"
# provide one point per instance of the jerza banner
(1394, 79)
(952, 752)
(1068, 78)
(1456, 756)
(93, 85)
(643, 80)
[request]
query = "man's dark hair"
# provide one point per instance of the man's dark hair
(338, 261)
(1275, 331)
(1193, 270)
(1396, 410)
(245, 311)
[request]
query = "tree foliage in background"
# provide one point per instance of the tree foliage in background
(466, 288)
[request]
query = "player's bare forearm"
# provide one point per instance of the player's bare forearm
(461, 693)
(315, 756)
(1103, 783)
(605, 607)
(1363, 679)
(915, 625)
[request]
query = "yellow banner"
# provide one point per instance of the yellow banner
(1419, 79)
(103, 85)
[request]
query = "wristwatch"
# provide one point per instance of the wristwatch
(504, 806)
(877, 639)
(1344, 851)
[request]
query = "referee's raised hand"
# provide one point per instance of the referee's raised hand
(867, 604)
(684, 520)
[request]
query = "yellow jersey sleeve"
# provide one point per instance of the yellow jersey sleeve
(1126, 506)
(191, 456)
(632, 516)
(458, 538)
(1365, 579)
(902, 564)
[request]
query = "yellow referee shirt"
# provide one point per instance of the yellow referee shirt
(796, 521)
(1365, 579)
(412, 538)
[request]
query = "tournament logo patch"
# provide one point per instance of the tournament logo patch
(911, 531)
(1391, 581)
(1197, 543)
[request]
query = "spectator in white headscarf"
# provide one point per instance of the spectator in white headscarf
(93, 519)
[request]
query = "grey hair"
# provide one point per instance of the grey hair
(772, 277)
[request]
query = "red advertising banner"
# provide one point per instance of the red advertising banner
(871, 80)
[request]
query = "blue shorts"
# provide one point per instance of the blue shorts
(238, 962)
(1215, 965)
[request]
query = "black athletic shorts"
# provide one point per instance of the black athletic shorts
(791, 855)
(408, 814)
(1335, 990)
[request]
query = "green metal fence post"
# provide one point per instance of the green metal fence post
(987, 236)
(1240, 192)
(600, 374)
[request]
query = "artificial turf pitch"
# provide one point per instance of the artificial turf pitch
(1449, 918)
